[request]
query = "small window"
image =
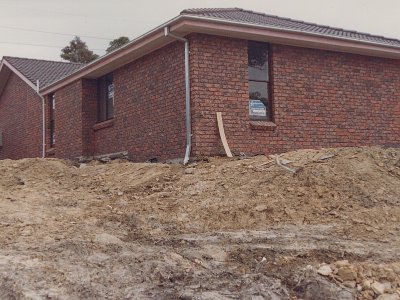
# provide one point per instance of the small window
(105, 109)
(259, 81)
(52, 108)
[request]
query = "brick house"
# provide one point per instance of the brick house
(280, 84)
(21, 106)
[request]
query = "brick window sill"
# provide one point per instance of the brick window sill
(262, 125)
(104, 124)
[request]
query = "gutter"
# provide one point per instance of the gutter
(187, 88)
(296, 31)
(43, 120)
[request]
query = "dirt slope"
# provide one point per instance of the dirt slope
(307, 225)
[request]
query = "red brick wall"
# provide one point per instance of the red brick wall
(68, 121)
(149, 108)
(89, 115)
(218, 83)
(20, 120)
(75, 115)
(321, 99)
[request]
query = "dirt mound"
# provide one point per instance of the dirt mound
(216, 229)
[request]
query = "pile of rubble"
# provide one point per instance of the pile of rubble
(382, 281)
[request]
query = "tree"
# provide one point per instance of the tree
(78, 51)
(115, 44)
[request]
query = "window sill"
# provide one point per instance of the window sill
(262, 125)
(104, 124)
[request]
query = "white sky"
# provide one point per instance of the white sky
(114, 18)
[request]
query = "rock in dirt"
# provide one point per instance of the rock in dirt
(105, 238)
(347, 274)
(366, 284)
(350, 284)
(342, 263)
(261, 208)
(389, 297)
(325, 270)
(189, 171)
(378, 288)
(322, 289)
(367, 295)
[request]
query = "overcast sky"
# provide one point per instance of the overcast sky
(113, 18)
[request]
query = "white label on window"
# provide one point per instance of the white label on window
(111, 91)
(257, 108)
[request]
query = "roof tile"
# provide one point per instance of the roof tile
(256, 18)
(43, 70)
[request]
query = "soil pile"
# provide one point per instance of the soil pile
(308, 224)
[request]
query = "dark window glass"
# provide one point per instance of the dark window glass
(258, 62)
(259, 81)
(105, 98)
(258, 91)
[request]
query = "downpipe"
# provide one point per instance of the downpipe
(187, 88)
(43, 120)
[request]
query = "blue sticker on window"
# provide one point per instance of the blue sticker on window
(257, 108)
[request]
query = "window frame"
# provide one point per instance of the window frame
(52, 109)
(269, 82)
(104, 113)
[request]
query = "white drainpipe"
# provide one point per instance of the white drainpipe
(187, 86)
(43, 120)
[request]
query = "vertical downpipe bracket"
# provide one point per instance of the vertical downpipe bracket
(43, 120)
(187, 89)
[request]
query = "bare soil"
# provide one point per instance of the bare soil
(310, 224)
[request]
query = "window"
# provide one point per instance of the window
(105, 108)
(259, 81)
(52, 107)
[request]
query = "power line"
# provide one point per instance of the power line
(41, 45)
(57, 33)
(52, 11)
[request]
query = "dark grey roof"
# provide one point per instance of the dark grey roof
(43, 70)
(256, 18)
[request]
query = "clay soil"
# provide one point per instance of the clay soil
(243, 228)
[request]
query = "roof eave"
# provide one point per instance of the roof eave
(185, 24)
(4, 74)
(288, 36)
(6, 65)
(144, 44)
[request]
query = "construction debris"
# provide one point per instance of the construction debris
(283, 164)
